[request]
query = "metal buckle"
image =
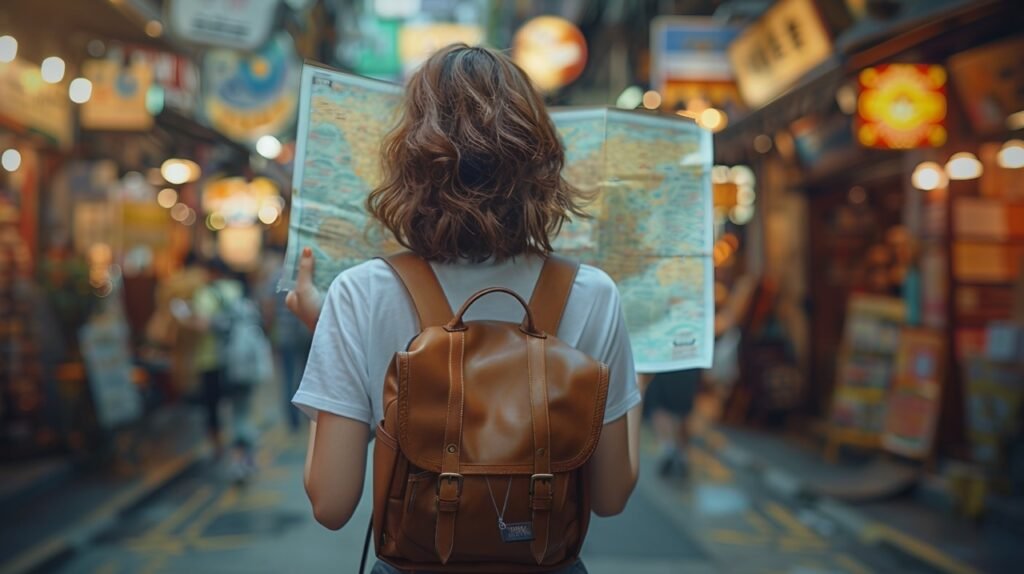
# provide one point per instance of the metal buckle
(534, 478)
(449, 476)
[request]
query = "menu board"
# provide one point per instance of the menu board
(912, 410)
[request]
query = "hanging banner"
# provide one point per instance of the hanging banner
(246, 96)
(235, 24)
(901, 106)
(690, 60)
(118, 101)
(771, 54)
(29, 103)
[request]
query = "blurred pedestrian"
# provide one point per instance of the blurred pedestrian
(472, 185)
(230, 359)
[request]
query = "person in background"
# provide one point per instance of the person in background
(291, 339)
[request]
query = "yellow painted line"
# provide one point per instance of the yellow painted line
(259, 499)
(716, 471)
(786, 518)
(224, 542)
(851, 566)
(149, 544)
(110, 567)
(200, 496)
(759, 523)
(791, 544)
(917, 548)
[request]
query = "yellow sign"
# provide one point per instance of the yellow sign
(902, 106)
(118, 99)
(775, 51)
(29, 102)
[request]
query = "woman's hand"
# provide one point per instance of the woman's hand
(305, 300)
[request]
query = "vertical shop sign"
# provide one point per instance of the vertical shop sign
(27, 102)
(248, 95)
(235, 24)
(990, 82)
(771, 54)
(118, 101)
(901, 106)
(689, 59)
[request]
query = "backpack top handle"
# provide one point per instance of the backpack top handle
(527, 326)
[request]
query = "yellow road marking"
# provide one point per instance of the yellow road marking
(918, 548)
(785, 518)
(739, 538)
(223, 542)
(714, 469)
(759, 523)
(184, 511)
(851, 566)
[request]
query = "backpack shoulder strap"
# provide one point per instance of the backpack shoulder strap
(427, 295)
(552, 292)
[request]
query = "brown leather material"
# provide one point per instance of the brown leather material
(423, 287)
(552, 290)
(472, 408)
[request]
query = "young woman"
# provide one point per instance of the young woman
(472, 183)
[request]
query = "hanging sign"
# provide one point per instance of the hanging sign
(174, 73)
(248, 95)
(912, 412)
(236, 24)
(689, 60)
(771, 54)
(901, 106)
(26, 101)
(118, 101)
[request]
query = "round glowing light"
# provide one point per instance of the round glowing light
(268, 146)
(745, 195)
(846, 98)
(551, 50)
(963, 165)
(216, 221)
(741, 175)
(190, 217)
(762, 143)
(8, 49)
(927, 176)
(179, 171)
(1011, 155)
(11, 160)
(167, 198)
(80, 90)
(154, 29)
(651, 100)
(1015, 121)
(857, 195)
(741, 214)
(179, 212)
(269, 213)
(720, 174)
(712, 119)
(52, 70)
(630, 98)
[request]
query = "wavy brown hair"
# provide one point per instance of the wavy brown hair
(473, 169)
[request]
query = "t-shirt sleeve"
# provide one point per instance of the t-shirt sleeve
(613, 349)
(335, 380)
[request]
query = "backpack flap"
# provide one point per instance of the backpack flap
(495, 370)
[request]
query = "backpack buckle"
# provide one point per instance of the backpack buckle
(534, 478)
(450, 476)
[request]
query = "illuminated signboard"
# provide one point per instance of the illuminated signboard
(901, 106)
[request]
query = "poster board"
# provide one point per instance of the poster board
(864, 371)
(913, 405)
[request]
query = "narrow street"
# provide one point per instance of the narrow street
(716, 520)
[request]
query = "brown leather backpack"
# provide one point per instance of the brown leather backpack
(480, 461)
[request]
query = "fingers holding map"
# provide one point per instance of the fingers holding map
(651, 225)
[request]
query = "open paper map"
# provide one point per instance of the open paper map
(651, 229)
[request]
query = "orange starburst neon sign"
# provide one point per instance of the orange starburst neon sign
(902, 106)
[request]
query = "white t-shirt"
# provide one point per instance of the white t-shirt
(368, 316)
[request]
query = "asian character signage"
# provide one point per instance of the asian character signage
(901, 106)
(771, 54)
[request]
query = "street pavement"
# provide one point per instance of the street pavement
(717, 519)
